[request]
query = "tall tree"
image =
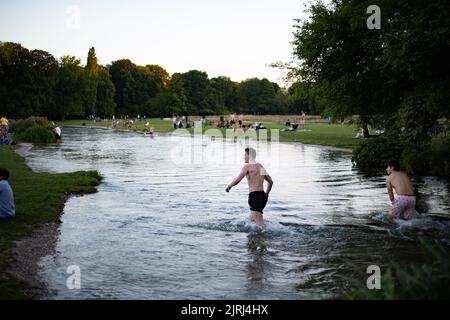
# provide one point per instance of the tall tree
(135, 87)
(140, 90)
(121, 75)
(260, 96)
(27, 80)
(196, 89)
(105, 105)
(302, 96)
(176, 89)
(92, 66)
(160, 74)
(71, 88)
(92, 69)
(223, 94)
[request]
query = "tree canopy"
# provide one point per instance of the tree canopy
(396, 76)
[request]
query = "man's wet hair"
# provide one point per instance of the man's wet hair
(251, 152)
(4, 173)
(395, 164)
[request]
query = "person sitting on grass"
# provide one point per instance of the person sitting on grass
(379, 131)
(259, 126)
(294, 127)
(7, 207)
(359, 135)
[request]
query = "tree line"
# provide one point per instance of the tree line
(35, 83)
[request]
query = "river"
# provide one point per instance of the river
(162, 226)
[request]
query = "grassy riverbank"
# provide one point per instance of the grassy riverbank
(319, 133)
(39, 198)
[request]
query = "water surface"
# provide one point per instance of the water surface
(162, 226)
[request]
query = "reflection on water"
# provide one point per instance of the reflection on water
(160, 230)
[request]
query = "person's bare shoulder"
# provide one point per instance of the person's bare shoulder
(262, 170)
(404, 174)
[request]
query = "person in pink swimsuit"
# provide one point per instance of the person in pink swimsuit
(256, 174)
(403, 206)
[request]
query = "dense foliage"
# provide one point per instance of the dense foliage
(395, 77)
(376, 153)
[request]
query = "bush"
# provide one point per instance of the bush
(374, 153)
(36, 134)
(439, 164)
(22, 125)
(438, 157)
(413, 162)
(32, 129)
(433, 160)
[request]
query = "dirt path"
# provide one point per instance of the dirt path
(28, 251)
(23, 149)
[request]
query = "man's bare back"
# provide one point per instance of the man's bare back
(255, 174)
(401, 183)
(403, 206)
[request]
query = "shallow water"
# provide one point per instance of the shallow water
(162, 226)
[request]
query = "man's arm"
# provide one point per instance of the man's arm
(267, 178)
(390, 190)
(238, 179)
(270, 183)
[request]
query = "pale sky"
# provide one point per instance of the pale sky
(234, 38)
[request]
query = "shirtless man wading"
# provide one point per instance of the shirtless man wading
(256, 174)
(403, 206)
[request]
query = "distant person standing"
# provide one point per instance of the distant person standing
(174, 122)
(7, 207)
(241, 120)
(256, 174)
(330, 118)
(403, 206)
(57, 131)
(302, 120)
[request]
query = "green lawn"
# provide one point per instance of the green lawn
(335, 135)
(158, 124)
(39, 198)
